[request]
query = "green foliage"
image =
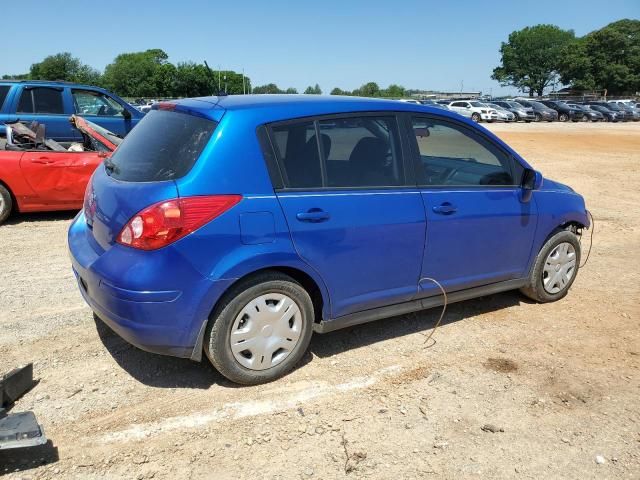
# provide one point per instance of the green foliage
(291, 91)
(338, 91)
(313, 90)
(66, 67)
(269, 88)
(370, 89)
(137, 74)
(393, 91)
(608, 58)
(531, 57)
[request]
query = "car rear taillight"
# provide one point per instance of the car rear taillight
(165, 222)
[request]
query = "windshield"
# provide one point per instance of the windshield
(164, 146)
(515, 105)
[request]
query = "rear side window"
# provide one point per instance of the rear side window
(4, 91)
(339, 152)
(163, 146)
(41, 100)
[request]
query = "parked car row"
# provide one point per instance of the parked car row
(528, 110)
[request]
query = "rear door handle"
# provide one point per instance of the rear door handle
(315, 215)
(445, 209)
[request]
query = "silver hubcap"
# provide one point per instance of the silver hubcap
(2, 207)
(559, 268)
(266, 331)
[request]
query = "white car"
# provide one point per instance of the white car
(409, 100)
(476, 111)
(504, 115)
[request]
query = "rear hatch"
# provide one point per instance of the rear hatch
(162, 148)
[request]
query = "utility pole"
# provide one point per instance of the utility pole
(243, 84)
(219, 77)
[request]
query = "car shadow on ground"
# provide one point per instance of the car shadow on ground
(19, 218)
(170, 372)
(336, 342)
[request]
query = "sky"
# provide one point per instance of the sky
(432, 45)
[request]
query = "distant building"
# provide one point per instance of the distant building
(426, 94)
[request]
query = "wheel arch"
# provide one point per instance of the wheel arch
(14, 200)
(310, 281)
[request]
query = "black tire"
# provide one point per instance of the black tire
(6, 204)
(563, 117)
(475, 117)
(535, 287)
(217, 345)
(538, 117)
(516, 117)
(585, 118)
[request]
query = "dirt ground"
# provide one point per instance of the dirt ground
(511, 389)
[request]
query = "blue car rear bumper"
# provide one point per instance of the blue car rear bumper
(165, 320)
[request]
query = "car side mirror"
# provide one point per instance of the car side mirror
(531, 180)
(126, 114)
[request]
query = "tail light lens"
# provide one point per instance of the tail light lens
(165, 222)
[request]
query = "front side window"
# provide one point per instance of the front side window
(89, 102)
(352, 152)
(450, 155)
(41, 100)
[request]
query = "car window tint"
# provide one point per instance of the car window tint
(4, 90)
(298, 154)
(89, 102)
(452, 156)
(41, 100)
(361, 152)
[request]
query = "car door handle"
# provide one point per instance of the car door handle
(315, 215)
(445, 209)
(42, 160)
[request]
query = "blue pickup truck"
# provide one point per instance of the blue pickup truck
(52, 103)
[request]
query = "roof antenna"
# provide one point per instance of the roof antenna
(219, 92)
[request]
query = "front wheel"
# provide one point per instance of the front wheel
(538, 117)
(555, 269)
(563, 117)
(261, 330)
(475, 117)
(6, 204)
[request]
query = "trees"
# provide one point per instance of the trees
(137, 74)
(64, 66)
(608, 58)
(269, 88)
(291, 91)
(313, 90)
(393, 91)
(338, 91)
(531, 57)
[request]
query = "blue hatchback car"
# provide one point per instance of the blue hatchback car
(238, 225)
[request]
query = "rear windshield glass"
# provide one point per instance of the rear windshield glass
(163, 146)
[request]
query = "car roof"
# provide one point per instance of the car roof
(281, 107)
(44, 83)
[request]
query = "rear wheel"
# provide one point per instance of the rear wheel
(563, 117)
(261, 330)
(585, 118)
(538, 117)
(555, 269)
(6, 204)
(475, 117)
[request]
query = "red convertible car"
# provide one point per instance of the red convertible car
(39, 174)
